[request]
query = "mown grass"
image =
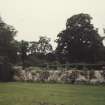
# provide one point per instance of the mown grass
(51, 94)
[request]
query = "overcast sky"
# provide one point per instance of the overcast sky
(34, 18)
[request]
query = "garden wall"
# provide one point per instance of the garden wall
(60, 76)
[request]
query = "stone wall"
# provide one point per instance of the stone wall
(60, 76)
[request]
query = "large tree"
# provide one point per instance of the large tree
(80, 41)
(7, 42)
(7, 50)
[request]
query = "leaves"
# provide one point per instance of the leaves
(80, 41)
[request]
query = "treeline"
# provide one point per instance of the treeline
(35, 53)
(80, 42)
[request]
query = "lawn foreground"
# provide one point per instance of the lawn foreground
(51, 94)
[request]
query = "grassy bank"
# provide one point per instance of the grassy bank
(50, 94)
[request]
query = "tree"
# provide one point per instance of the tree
(33, 48)
(7, 50)
(23, 49)
(44, 45)
(80, 41)
(7, 42)
(39, 51)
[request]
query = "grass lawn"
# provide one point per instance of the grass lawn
(50, 94)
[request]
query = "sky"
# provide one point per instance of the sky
(35, 18)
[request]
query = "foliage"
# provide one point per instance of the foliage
(39, 51)
(7, 50)
(42, 46)
(23, 50)
(7, 42)
(80, 41)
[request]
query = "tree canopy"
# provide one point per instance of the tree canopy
(80, 41)
(8, 51)
(7, 42)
